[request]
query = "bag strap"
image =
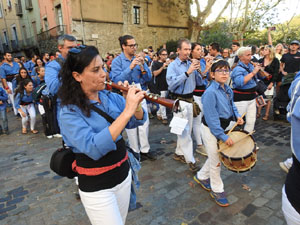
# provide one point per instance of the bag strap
(101, 113)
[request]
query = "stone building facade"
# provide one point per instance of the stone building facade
(151, 22)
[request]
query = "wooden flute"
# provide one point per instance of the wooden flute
(169, 103)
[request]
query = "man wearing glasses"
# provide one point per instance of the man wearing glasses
(128, 66)
(65, 43)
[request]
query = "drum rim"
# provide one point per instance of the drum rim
(253, 151)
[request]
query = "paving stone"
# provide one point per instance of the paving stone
(3, 216)
(7, 209)
(260, 201)
(43, 173)
(5, 199)
(264, 213)
(205, 217)
(14, 191)
(14, 201)
(274, 220)
(249, 210)
(270, 194)
(190, 215)
(18, 210)
(172, 194)
(20, 194)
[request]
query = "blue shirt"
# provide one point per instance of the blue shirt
(218, 103)
(36, 80)
(3, 98)
(7, 69)
(120, 71)
(25, 98)
(90, 135)
(294, 117)
(51, 76)
(178, 81)
(29, 66)
(238, 75)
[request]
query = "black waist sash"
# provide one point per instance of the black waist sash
(224, 122)
(292, 185)
(10, 77)
(244, 94)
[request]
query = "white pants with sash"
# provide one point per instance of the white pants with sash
(250, 108)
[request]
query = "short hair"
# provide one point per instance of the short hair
(194, 44)
(219, 64)
(173, 56)
(123, 40)
(236, 43)
(242, 51)
(182, 40)
(66, 37)
(7, 52)
(161, 51)
(215, 46)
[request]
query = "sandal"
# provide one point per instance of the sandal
(34, 131)
(24, 131)
(257, 115)
(266, 117)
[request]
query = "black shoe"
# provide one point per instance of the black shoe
(77, 196)
(150, 155)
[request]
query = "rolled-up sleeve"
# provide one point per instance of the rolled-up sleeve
(117, 73)
(51, 77)
(237, 76)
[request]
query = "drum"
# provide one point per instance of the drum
(241, 156)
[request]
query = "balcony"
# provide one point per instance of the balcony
(30, 42)
(15, 45)
(5, 47)
(52, 33)
(19, 8)
(28, 4)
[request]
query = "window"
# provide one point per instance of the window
(5, 37)
(46, 25)
(24, 32)
(28, 4)
(136, 14)
(9, 4)
(1, 14)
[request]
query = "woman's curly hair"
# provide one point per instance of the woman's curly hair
(70, 91)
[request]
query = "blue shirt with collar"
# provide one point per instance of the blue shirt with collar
(90, 135)
(3, 98)
(29, 66)
(199, 80)
(120, 71)
(178, 81)
(7, 69)
(238, 75)
(51, 76)
(218, 103)
(25, 98)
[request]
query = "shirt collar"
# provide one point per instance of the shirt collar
(123, 57)
(179, 62)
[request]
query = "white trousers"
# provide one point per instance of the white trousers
(212, 166)
(197, 122)
(162, 112)
(41, 109)
(250, 108)
(288, 162)
(109, 206)
(139, 134)
(28, 110)
(291, 216)
(11, 97)
(184, 141)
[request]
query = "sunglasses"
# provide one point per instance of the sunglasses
(77, 49)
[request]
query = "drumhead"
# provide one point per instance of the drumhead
(243, 145)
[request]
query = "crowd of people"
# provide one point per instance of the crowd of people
(215, 89)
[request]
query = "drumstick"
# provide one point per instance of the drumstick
(222, 149)
(235, 124)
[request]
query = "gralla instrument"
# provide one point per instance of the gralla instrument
(242, 155)
(169, 103)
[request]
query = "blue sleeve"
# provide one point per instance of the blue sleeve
(174, 80)
(14, 83)
(212, 116)
(3, 95)
(51, 77)
(2, 73)
(77, 132)
(17, 101)
(237, 76)
(33, 73)
(117, 73)
(147, 77)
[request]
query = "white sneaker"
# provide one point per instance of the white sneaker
(283, 167)
(201, 150)
(49, 136)
(57, 135)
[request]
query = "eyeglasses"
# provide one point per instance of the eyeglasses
(163, 54)
(133, 45)
(222, 71)
(77, 49)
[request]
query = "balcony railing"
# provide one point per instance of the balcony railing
(15, 45)
(5, 47)
(52, 33)
(19, 8)
(30, 42)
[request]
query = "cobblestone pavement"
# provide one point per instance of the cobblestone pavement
(30, 193)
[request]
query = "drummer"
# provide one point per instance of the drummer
(219, 111)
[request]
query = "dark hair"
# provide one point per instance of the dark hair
(7, 52)
(219, 64)
(236, 43)
(162, 50)
(253, 49)
(194, 45)
(20, 89)
(19, 78)
(205, 51)
(215, 46)
(183, 40)
(70, 91)
(123, 40)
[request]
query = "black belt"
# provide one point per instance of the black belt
(10, 77)
(224, 122)
(182, 96)
(25, 103)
